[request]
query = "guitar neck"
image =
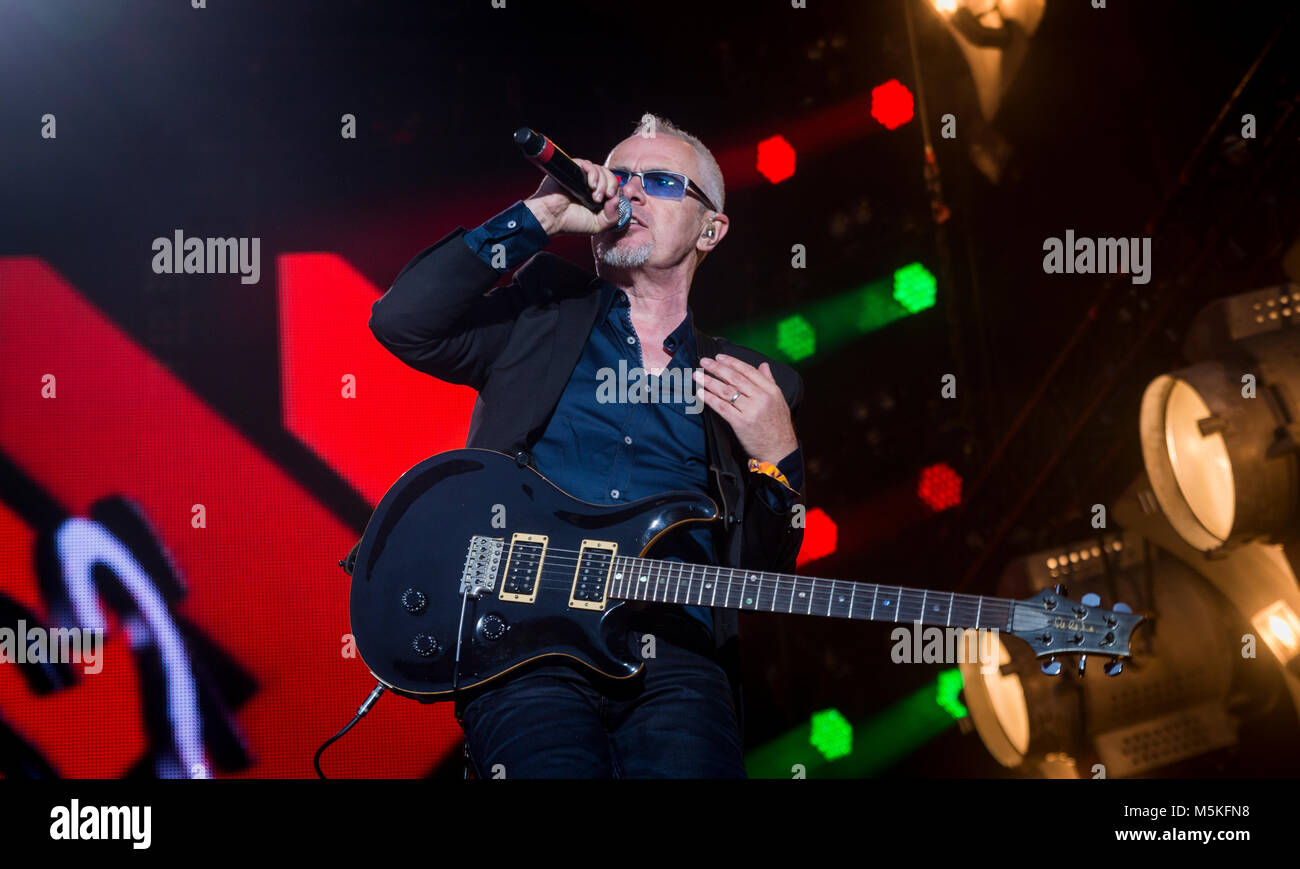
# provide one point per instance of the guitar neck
(676, 582)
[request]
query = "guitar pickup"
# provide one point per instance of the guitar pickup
(523, 571)
(591, 577)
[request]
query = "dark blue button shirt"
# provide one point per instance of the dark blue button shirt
(619, 434)
(516, 231)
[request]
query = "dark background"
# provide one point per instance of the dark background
(225, 122)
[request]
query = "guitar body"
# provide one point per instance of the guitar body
(406, 598)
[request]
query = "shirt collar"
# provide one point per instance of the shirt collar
(684, 334)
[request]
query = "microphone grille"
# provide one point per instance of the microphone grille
(624, 211)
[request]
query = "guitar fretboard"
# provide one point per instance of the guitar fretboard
(676, 582)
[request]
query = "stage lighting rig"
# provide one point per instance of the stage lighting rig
(1173, 701)
(1221, 437)
(1221, 445)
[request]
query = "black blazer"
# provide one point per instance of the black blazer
(518, 345)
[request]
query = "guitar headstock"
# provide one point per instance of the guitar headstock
(1053, 624)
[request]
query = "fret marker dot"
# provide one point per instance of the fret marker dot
(749, 600)
(643, 577)
(802, 594)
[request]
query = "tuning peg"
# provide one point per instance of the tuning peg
(1090, 599)
(1062, 589)
(1122, 607)
(1114, 667)
(1083, 660)
(1051, 666)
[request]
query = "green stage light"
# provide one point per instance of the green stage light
(914, 288)
(831, 734)
(876, 308)
(796, 338)
(834, 322)
(825, 747)
(946, 694)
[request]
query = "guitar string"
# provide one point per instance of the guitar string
(990, 610)
(664, 567)
(558, 577)
(817, 602)
(562, 579)
(565, 577)
(657, 586)
(573, 556)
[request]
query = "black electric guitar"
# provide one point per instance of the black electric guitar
(473, 566)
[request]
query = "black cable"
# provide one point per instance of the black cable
(365, 707)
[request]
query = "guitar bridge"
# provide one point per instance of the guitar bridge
(481, 565)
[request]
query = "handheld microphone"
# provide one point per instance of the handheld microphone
(547, 156)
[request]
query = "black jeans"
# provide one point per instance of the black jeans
(554, 722)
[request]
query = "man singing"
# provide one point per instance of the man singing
(538, 351)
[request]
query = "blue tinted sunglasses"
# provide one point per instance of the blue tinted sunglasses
(664, 185)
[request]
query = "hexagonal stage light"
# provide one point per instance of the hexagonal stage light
(775, 159)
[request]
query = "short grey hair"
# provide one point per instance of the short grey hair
(710, 172)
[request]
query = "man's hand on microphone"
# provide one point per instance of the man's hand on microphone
(557, 213)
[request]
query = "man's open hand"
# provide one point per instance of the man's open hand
(759, 416)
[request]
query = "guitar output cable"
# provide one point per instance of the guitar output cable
(365, 707)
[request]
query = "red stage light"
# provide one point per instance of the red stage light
(775, 159)
(939, 487)
(891, 104)
(820, 537)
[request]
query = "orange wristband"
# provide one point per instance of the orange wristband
(770, 470)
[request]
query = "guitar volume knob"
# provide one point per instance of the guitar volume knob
(414, 601)
(425, 646)
(492, 627)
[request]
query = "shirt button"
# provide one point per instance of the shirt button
(613, 493)
(631, 340)
(511, 224)
(627, 439)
